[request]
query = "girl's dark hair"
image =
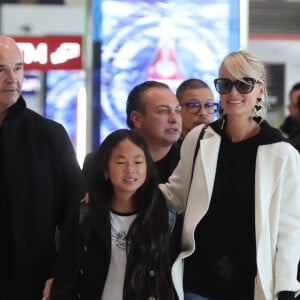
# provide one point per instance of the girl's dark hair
(148, 256)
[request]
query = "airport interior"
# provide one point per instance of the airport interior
(83, 57)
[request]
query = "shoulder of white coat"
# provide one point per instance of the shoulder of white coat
(282, 149)
(192, 137)
(189, 143)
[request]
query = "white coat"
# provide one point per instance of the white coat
(277, 208)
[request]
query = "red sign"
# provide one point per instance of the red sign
(51, 52)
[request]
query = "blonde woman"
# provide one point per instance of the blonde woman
(240, 197)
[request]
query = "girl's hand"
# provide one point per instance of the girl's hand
(47, 289)
(85, 199)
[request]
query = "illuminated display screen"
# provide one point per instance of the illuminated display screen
(32, 91)
(50, 52)
(168, 41)
(62, 90)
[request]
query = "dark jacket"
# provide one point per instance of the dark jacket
(43, 181)
(84, 264)
(85, 260)
(294, 139)
(288, 126)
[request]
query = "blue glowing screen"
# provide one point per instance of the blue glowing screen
(168, 41)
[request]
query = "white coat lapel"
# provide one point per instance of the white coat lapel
(209, 150)
(267, 172)
(203, 179)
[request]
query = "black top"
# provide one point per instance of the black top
(294, 139)
(167, 164)
(43, 181)
(6, 249)
(292, 130)
(289, 126)
(224, 262)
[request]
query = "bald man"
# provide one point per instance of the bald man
(40, 183)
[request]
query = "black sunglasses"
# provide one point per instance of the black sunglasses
(244, 86)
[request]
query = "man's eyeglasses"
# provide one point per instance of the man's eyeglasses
(244, 86)
(194, 107)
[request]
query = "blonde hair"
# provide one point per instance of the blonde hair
(242, 64)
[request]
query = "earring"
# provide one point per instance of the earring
(105, 177)
(257, 112)
(222, 120)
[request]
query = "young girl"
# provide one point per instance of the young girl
(124, 248)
